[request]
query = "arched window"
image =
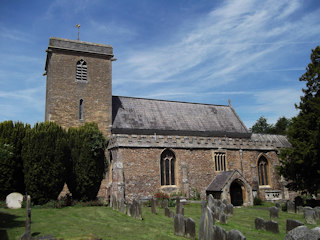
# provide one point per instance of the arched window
(167, 166)
(81, 109)
(220, 161)
(263, 171)
(81, 74)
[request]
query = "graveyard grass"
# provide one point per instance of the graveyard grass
(102, 222)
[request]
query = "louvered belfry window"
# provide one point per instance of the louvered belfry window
(81, 74)
(220, 161)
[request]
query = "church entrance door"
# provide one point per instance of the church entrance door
(236, 194)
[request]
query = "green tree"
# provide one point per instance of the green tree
(300, 164)
(45, 154)
(261, 126)
(87, 162)
(11, 165)
(281, 126)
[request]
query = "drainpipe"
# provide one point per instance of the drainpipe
(240, 151)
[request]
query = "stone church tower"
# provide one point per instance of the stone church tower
(79, 83)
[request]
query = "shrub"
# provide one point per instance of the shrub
(161, 196)
(45, 152)
(11, 165)
(257, 201)
(87, 161)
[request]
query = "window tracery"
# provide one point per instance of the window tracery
(167, 168)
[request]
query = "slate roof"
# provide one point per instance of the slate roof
(219, 181)
(280, 140)
(148, 116)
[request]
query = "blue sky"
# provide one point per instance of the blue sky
(249, 51)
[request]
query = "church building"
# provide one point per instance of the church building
(160, 145)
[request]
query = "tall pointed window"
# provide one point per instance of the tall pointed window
(167, 166)
(263, 171)
(81, 74)
(81, 109)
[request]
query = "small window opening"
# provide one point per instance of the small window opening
(220, 161)
(81, 109)
(81, 74)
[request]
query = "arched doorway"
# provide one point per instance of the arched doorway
(236, 194)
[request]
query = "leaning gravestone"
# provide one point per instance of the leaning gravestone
(260, 224)
(225, 201)
(190, 231)
(290, 207)
(229, 210)
(317, 210)
(219, 233)
(272, 226)
(310, 215)
(179, 225)
(130, 210)
(206, 224)
(172, 214)
(14, 200)
(291, 224)
(203, 205)
(316, 231)
(137, 209)
(211, 202)
(235, 235)
(122, 207)
(274, 212)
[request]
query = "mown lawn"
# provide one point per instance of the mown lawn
(103, 222)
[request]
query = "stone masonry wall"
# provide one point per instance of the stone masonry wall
(141, 168)
(64, 92)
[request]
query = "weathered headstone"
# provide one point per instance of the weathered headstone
(290, 207)
(130, 210)
(291, 224)
(206, 224)
(218, 203)
(211, 202)
(172, 214)
(317, 210)
(190, 231)
(216, 213)
(316, 232)
(167, 212)
(222, 207)
(260, 224)
(14, 200)
(203, 205)
(165, 203)
(299, 209)
(272, 226)
(300, 233)
(27, 232)
(179, 225)
(223, 218)
(122, 207)
(137, 209)
(274, 212)
(153, 206)
(219, 233)
(235, 235)
(310, 215)
(225, 201)
(229, 210)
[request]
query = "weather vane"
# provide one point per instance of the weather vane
(78, 26)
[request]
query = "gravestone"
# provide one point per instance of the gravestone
(190, 231)
(171, 214)
(290, 207)
(206, 224)
(274, 212)
(235, 235)
(229, 210)
(300, 233)
(278, 205)
(153, 206)
(260, 224)
(203, 205)
(222, 207)
(167, 212)
(223, 218)
(122, 207)
(219, 233)
(299, 209)
(211, 202)
(179, 225)
(27, 232)
(14, 200)
(165, 203)
(272, 226)
(310, 215)
(317, 210)
(218, 203)
(291, 224)
(316, 231)
(216, 213)
(137, 209)
(130, 210)
(225, 201)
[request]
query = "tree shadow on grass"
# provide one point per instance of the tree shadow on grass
(10, 221)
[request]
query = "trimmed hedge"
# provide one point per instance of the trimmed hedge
(45, 154)
(87, 161)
